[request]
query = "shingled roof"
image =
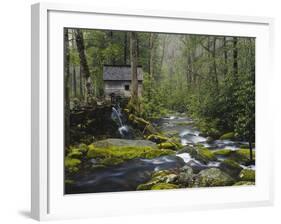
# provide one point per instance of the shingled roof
(120, 73)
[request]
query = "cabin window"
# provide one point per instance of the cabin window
(127, 87)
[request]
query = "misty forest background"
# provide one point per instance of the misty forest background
(210, 78)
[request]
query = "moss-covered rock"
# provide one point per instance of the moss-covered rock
(222, 152)
(239, 183)
(213, 177)
(71, 164)
(202, 154)
(247, 175)
(83, 147)
(185, 177)
(231, 167)
(122, 142)
(157, 138)
(113, 155)
(167, 145)
(227, 136)
(242, 156)
(159, 177)
(164, 186)
(75, 153)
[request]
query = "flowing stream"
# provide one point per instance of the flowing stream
(128, 175)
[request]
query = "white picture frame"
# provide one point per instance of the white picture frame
(48, 201)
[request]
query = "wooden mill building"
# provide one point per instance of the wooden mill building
(117, 80)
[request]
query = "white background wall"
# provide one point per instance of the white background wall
(15, 110)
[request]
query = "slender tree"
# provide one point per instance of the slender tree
(125, 48)
(134, 102)
(84, 65)
(66, 89)
(235, 57)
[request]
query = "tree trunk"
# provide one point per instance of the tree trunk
(134, 83)
(152, 51)
(125, 48)
(235, 57)
(251, 151)
(66, 90)
(215, 63)
(84, 65)
(225, 56)
(74, 79)
(81, 83)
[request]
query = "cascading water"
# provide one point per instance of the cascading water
(116, 116)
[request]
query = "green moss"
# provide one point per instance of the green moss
(114, 155)
(75, 153)
(229, 135)
(161, 173)
(111, 161)
(239, 183)
(170, 133)
(205, 155)
(231, 167)
(202, 154)
(67, 181)
(157, 138)
(213, 177)
(184, 123)
(242, 156)
(83, 147)
(147, 186)
(247, 175)
(167, 145)
(164, 186)
(222, 152)
(72, 164)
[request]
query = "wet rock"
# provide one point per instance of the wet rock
(227, 136)
(202, 154)
(196, 167)
(123, 142)
(242, 156)
(185, 178)
(164, 186)
(247, 175)
(213, 177)
(231, 167)
(239, 183)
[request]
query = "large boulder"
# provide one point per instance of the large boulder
(123, 142)
(202, 154)
(247, 175)
(231, 167)
(242, 156)
(213, 177)
(185, 177)
(163, 179)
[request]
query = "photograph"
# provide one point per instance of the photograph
(157, 111)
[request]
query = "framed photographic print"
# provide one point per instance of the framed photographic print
(139, 111)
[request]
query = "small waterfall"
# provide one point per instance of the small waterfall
(116, 116)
